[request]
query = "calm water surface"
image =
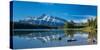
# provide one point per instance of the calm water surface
(38, 39)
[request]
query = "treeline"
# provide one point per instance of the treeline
(92, 23)
(72, 24)
(18, 25)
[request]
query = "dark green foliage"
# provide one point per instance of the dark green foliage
(18, 25)
(71, 24)
(92, 23)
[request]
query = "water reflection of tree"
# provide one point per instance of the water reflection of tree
(92, 37)
(70, 33)
(21, 33)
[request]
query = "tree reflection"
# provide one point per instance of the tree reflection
(92, 37)
(70, 34)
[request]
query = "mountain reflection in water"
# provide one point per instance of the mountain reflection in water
(52, 38)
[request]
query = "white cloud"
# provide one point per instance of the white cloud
(84, 18)
(78, 21)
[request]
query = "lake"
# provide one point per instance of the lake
(39, 39)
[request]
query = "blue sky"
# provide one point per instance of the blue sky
(66, 11)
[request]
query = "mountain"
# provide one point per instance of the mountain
(44, 20)
(40, 22)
